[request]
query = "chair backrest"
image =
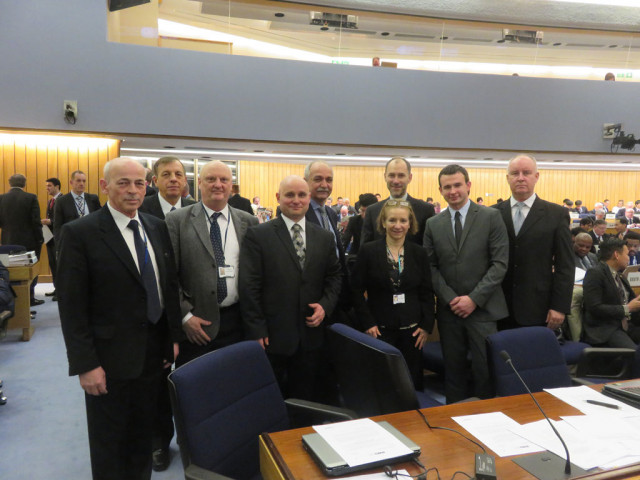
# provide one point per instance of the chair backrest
(222, 401)
(11, 249)
(373, 376)
(536, 355)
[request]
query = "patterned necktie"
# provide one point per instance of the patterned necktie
(458, 228)
(518, 219)
(148, 274)
(216, 242)
(298, 243)
(325, 218)
(623, 298)
(80, 205)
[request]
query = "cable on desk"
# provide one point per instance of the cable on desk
(463, 473)
(451, 430)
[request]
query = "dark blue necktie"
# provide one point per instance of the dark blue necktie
(216, 243)
(148, 274)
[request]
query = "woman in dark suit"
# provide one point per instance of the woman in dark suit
(395, 276)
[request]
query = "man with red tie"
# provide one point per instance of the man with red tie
(53, 188)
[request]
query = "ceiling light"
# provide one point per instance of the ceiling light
(606, 3)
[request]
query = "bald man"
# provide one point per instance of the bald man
(120, 316)
(289, 283)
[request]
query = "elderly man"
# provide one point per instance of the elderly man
(540, 277)
(621, 211)
(119, 310)
(629, 214)
(583, 257)
(290, 281)
(598, 234)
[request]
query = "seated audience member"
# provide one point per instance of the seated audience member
(394, 273)
(611, 307)
(597, 206)
(480, 201)
(437, 208)
(605, 205)
(580, 208)
(621, 228)
(621, 212)
(633, 243)
(346, 202)
(354, 227)
(566, 203)
(582, 248)
(575, 231)
(599, 214)
(636, 206)
(255, 205)
(631, 218)
(598, 234)
(586, 224)
(618, 206)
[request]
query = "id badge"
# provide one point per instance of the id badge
(398, 298)
(226, 271)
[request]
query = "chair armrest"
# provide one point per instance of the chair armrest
(4, 315)
(303, 413)
(194, 472)
(613, 363)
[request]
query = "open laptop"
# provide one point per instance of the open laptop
(334, 465)
(627, 392)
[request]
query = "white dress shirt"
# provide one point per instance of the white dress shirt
(528, 203)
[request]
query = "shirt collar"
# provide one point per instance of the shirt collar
(290, 223)
(463, 210)
(122, 221)
(224, 211)
(400, 199)
(528, 202)
(165, 205)
(75, 195)
(315, 205)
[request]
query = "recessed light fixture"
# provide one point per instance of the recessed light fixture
(279, 15)
(168, 147)
(557, 44)
(385, 34)
(501, 41)
(444, 38)
(324, 29)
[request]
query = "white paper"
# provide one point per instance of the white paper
(362, 441)
(46, 233)
(577, 397)
(579, 276)
(494, 430)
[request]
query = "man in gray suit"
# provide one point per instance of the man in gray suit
(468, 248)
(583, 258)
(206, 238)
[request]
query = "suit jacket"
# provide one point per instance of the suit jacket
(593, 259)
(595, 240)
(151, 205)
(602, 304)
(65, 211)
(422, 210)
(371, 274)
(196, 262)
(581, 209)
(102, 300)
(275, 291)
(20, 220)
(476, 268)
(353, 231)
(241, 203)
(541, 267)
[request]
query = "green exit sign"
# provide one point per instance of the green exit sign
(340, 62)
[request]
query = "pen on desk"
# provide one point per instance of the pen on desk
(603, 404)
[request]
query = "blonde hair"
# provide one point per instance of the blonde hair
(384, 213)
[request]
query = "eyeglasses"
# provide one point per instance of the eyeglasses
(393, 203)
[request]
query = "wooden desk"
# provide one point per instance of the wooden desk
(21, 278)
(282, 456)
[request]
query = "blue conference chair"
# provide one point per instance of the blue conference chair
(372, 375)
(223, 401)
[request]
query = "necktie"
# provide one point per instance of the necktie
(325, 218)
(80, 205)
(518, 219)
(298, 243)
(458, 228)
(172, 209)
(216, 242)
(623, 298)
(51, 204)
(586, 263)
(148, 274)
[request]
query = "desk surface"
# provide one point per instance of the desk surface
(283, 457)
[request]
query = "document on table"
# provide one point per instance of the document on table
(577, 397)
(361, 441)
(494, 430)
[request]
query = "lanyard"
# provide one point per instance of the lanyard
(400, 259)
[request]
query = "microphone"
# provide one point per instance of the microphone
(507, 359)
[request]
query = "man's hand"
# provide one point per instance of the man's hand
(373, 331)
(45, 221)
(264, 342)
(317, 317)
(421, 337)
(194, 331)
(94, 382)
(554, 319)
(634, 305)
(462, 306)
(176, 351)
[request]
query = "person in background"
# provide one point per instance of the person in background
(394, 274)
(609, 77)
(239, 202)
(351, 235)
(53, 189)
(375, 62)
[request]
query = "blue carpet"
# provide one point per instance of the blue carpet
(43, 425)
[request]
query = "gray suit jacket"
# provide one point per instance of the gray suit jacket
(196, 262)
(475, 269)
(592, 259)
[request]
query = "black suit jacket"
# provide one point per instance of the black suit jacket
(241, 203)
(20, 220)
(603, 305)
(102, 300)
(65, 211)
(422, 210)
(371, 274)
(595, 240)
(275, 291)
(151, 205)
(541, 267)
(353, 230)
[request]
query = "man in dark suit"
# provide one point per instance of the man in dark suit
(583, 258)
(120, 316)
(632, 240)
(541, 272)
(611, 308)
(53, 189)
(170, 178)
(75, 204)
(397, 174)
(598, 234)
(353, 232)
(629, 214)
(580, 208)
(20, 222)
(289, 282)
(621, 228)
(468, 248)
(238, 202)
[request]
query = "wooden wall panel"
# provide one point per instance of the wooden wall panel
(39, 157)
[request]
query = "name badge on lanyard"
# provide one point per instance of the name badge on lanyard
(227, 271)
(398, 298)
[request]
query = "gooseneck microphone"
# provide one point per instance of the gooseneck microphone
(507, 359)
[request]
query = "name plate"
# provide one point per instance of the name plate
(634, 279)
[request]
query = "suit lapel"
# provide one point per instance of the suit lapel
(536, 213)
(198, 222)
(283, 234)
(114, 240)
(158, 248)
(238, 223)
(468, 222)
(445, 220)
(505, 210)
